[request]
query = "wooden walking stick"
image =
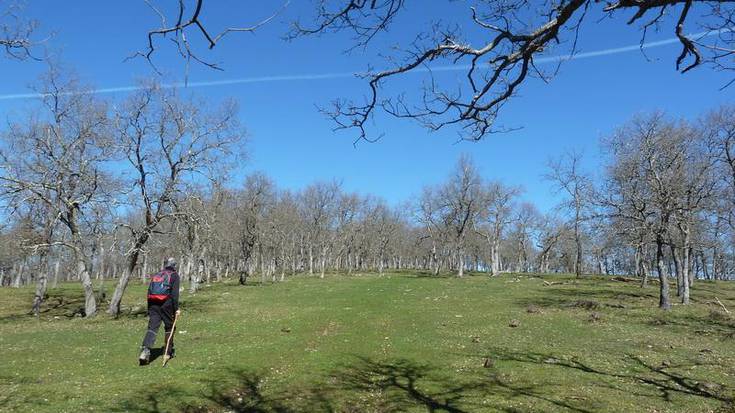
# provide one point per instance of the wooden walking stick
(168, 342)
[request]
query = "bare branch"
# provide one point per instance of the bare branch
(16, 34)
(179, 29)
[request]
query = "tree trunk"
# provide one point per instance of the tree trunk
(41, 283)
(664, 302)
(191, 273)
(637, 261)
(685, 271)
(495, 257)
(101, 265)
(196, 279)
(434, 259)
(715, 269)
(90, 302)
(690, 269)
(705, 269)
(284, 259)
(644, 269)
(685, 289)
(18, 274)
(677, 270)
(122, 284)
(145, 268)
(578, 242)
(56, 274)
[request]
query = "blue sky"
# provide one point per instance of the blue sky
(293, 143)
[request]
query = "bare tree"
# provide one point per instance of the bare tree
(251, 206)
(384, 223)
(349, 210)
(718, 128)
(167, 142)
(658, 183)
(47, 224)
(495, 218)
(460, 200)
(319, 202)
(696, 193)
(428, 214)
(550, 231)
(566, 174)
(57, 158)
(526, 222)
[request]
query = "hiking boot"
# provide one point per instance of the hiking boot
(145, 356)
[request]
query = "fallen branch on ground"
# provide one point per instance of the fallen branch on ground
(722, 305)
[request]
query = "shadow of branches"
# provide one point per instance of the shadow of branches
(369, 385)
(647, 379)
(363, 385)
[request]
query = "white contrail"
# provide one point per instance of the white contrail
(258, 79)
(325, 76)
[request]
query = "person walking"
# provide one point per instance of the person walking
(163, 305)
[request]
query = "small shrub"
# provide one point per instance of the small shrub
(533, 309)
(719, 315)
(586, 304)
(660, 320)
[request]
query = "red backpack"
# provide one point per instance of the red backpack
(159, 288)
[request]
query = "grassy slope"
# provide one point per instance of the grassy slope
(369, 343)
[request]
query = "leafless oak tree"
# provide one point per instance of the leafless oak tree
(660, 180)
(56, 158)
(168, 142)
(567, 176)
(495, 217)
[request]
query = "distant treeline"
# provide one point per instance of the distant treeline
(97, 191)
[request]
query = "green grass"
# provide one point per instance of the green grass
(400, 342)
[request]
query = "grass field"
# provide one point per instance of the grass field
(398, 342)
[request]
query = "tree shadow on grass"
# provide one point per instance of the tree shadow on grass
(366, 384)
(235, 390)
(401, 384)
(645, 378)
(698, 325)
(156, 399)
(588, 297)
(420, 275)
(55, 305)
(248, 395)
(405, 385)
(362, 385)
(601, 292)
